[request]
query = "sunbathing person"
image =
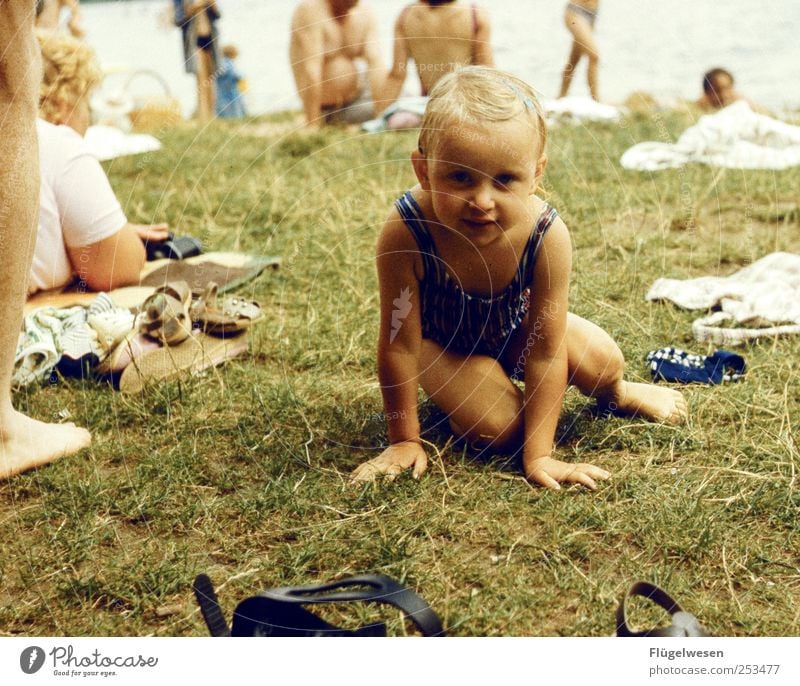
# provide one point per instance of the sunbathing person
(329, 39)
(82, 231)
(718, 92)
(440, 36)
(25, 443)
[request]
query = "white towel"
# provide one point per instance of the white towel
(763, 299)
(735, 137)
(579, 109)
(107, 142)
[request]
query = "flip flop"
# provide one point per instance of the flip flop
(224, 316)
(165, 314)
(192, 356)
(683, 623)
(132, 347)
(279, 611)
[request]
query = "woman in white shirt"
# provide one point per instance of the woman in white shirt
(83, 231)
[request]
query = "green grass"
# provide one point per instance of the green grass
(242, 473)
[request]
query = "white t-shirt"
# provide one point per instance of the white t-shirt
(76, 206)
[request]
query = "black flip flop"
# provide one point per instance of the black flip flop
(683, 623)
(278, 611)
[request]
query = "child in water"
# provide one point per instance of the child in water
(474, 274)
(579, 17)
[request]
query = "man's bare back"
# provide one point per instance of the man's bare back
(439, 38)
(328, 37)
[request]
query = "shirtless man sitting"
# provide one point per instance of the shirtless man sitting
(440, 36)
(329, 37)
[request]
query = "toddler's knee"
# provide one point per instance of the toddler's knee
(615, 364)
(499, 430)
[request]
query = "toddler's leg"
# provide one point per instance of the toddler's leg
(475, 392)
(596, 365)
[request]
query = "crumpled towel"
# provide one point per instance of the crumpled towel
(579, 109)
(674, 364)
(49, 333)
(762, 299)
(735, 137)
(108, 142)
(412, 104)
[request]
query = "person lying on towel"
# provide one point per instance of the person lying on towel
(83, 232)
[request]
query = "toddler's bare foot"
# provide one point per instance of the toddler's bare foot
(656, 403)
(27, 443)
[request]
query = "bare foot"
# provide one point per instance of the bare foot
(656, 403)
(27, 443)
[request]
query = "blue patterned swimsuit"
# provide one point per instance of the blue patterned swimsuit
(464, 323)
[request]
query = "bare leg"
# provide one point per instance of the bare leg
(476, 394)
(205, 86)
(596, 365)
(569, 70)
(584, 44)
(24, 442)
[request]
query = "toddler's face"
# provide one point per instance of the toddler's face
(481, 177)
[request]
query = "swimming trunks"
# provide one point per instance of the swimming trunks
(205, 43)
(588, 14)
(464, 323)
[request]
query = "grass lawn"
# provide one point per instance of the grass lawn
(242, 473)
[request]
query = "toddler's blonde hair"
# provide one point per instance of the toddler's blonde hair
(70, 72)
(479, 94)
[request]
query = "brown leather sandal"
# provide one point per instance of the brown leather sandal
(165, 314)
(224, 316)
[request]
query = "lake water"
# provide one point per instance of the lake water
(659, 46)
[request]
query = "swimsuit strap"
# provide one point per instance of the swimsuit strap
(412, 216)
(528, 262)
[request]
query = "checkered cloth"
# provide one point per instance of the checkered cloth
(674, 364)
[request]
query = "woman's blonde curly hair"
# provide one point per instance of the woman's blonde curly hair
(71, 72)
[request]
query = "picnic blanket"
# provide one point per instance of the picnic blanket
(578, 110)
(108, 142)
(735, 137)
(762, 299)
(228, 269)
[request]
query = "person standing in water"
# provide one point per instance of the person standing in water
(579, 17)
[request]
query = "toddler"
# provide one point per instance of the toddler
(230, 86)
(474, 272)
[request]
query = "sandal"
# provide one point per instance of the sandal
(165, 314)
(224, 316)
(188, 358)
(279, 611)
(683, 623)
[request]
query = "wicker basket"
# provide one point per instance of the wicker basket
(153, 112)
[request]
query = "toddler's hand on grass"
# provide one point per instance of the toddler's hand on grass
(393, 461)
(549, 472)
